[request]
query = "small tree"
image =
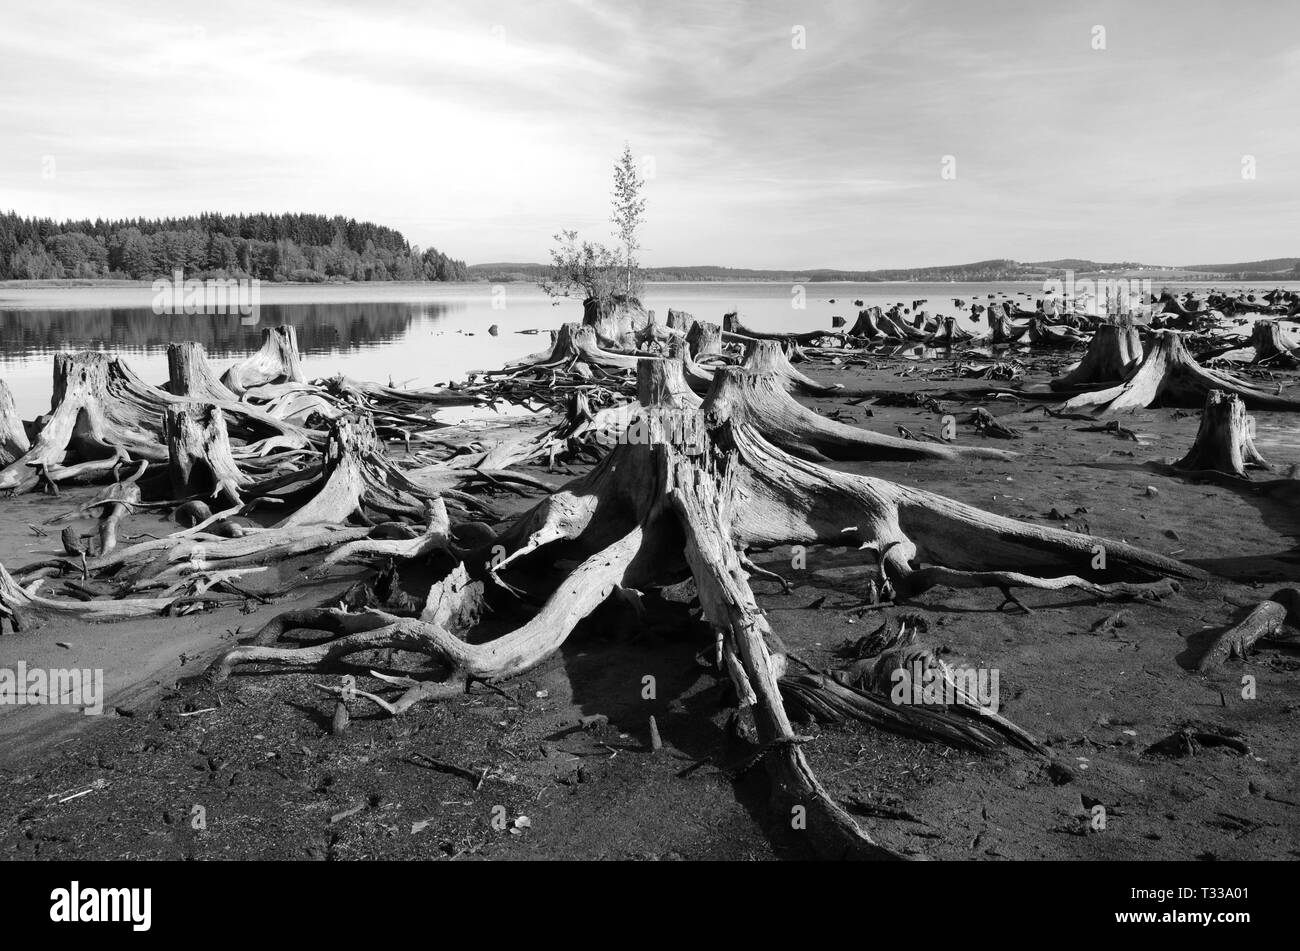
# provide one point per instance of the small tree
(629, 207)
(590, 268)
(599, 273)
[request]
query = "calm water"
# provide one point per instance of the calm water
(419, 334)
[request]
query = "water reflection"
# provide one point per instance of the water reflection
(322, 328)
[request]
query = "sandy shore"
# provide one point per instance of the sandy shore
(262, 763)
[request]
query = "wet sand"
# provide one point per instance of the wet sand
(269, 776)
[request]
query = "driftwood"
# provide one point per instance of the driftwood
(710, 478)
(102, 413)
(1265, 621)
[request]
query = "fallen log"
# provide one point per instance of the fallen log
(1265, 621)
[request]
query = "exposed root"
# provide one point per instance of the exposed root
(1168, 376)
(760, 400)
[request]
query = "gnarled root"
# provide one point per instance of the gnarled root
(708, 486)
(761, 400)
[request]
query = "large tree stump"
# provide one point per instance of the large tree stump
(679, 320)
(1168, 376)
(704, 339)
(1113, 353)
(1270, 346)
(276, 362)
(713, 481)
(1224, 441)
(615, 321)
(200, 461)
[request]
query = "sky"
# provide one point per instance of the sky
(772, 134)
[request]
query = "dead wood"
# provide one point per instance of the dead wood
(13, 436)
(1168, 376)
(1224, 441)
(766, 356)
(276, 362)
(1113, 353)
(760, 400)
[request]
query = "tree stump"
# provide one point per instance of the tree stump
(13, 436)
(276, 362)
(200, 461)
(1113, 353)
(1224, 441)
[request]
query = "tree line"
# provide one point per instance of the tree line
(290, 247)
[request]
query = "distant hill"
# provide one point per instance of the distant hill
(1288, 268)
(995, 269)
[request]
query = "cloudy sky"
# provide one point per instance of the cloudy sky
(482, 128)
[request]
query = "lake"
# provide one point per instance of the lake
(416, 334)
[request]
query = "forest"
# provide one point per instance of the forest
(288, 247)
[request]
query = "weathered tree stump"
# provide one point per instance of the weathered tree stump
(766, 356)
(1224, 441)
(703, 339)
(276, 362)
(1168, 376)
(190, 374)
(1271, 348)
(1114, 352)
(200, 461)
